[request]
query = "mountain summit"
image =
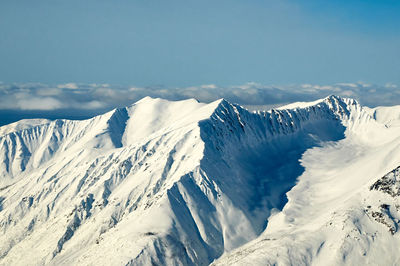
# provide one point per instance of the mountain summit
(186, 183)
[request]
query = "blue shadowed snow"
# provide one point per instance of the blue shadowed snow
(260, 153)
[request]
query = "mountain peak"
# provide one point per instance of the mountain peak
(170, 177)
(149, 99)
(341, 100)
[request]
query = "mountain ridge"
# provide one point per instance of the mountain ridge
(183, 187)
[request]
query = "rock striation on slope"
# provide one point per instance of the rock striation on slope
(158, 182)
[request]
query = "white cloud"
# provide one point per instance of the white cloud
(351, 85)
(49, 91)
(93, 105)
(103, 97)
(390, 85)
(348, 93)
(36, 103)
(71, 86)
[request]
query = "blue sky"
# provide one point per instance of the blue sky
(185, 43)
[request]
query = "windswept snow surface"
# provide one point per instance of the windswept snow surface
(187, 183)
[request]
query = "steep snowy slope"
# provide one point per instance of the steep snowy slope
(345, 208)
(184, 182)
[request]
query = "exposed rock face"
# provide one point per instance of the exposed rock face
(389, 183)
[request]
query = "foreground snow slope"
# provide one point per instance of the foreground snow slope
(183, 183)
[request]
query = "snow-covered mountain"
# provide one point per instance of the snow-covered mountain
(187, 183)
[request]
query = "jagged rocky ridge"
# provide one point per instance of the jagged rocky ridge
(158, 182)
(388, 211)
(389, 183)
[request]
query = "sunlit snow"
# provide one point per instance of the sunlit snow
(187, 183)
